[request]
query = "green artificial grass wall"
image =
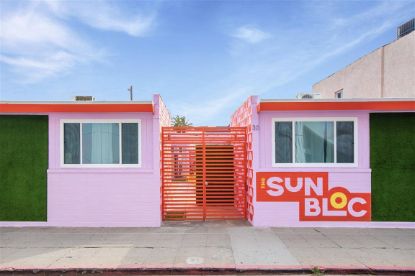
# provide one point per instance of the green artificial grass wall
(392, 158)
(23, 165)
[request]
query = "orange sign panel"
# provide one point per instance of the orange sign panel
(316, 201)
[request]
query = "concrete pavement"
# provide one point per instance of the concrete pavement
(210, 247)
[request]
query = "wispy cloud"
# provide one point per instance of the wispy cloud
(250, 34)
(383, 7)
(104, 15)
(39, 42)
(37, 46)
(24, 29)
(35, 69)
(137, 26)
(279, 62)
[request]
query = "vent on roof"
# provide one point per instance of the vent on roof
(406, 28)
(308, 96)
(84, 99)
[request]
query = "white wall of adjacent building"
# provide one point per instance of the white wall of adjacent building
(387, 72)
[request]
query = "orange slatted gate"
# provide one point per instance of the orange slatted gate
(203, 173)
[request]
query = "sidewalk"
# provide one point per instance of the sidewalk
(210, 247)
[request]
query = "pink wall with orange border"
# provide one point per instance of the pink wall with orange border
(355, 179)
(286, 214)
(105, 197)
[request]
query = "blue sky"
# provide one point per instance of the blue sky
(204, 57)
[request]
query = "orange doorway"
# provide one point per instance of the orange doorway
(203, 173)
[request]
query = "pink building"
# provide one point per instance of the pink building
(103, 163)
(280, 163)
(329, 162)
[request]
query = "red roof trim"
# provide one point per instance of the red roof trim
(371, 106)
(82, 107)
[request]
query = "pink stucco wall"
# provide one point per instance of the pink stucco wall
(246, 116)
(101, 196)
(357, 179)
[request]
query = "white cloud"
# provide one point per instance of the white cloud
(250, 34)
(103, 15)
(38, 42)
(35, 69)
(37, 46)
(30, 30)
(135, 27)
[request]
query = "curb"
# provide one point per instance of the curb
(205, 270)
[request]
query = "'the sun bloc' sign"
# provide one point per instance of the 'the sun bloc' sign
(316, 201)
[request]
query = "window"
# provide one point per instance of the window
(101, 143)
(283, 142)
(314, 141)
(345, 142)
(338, 94)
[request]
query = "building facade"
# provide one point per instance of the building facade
(328, 162)
(298, 163)
(81, 164)
(387, 72)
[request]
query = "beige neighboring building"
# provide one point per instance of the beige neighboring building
(387, 72)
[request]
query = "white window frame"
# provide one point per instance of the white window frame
(109, 121)
(317, 119)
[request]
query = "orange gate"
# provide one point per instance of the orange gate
(203, 173)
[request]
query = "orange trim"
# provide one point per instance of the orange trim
(45, 108)
(374, 106)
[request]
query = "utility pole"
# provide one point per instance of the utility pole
(130, 89)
